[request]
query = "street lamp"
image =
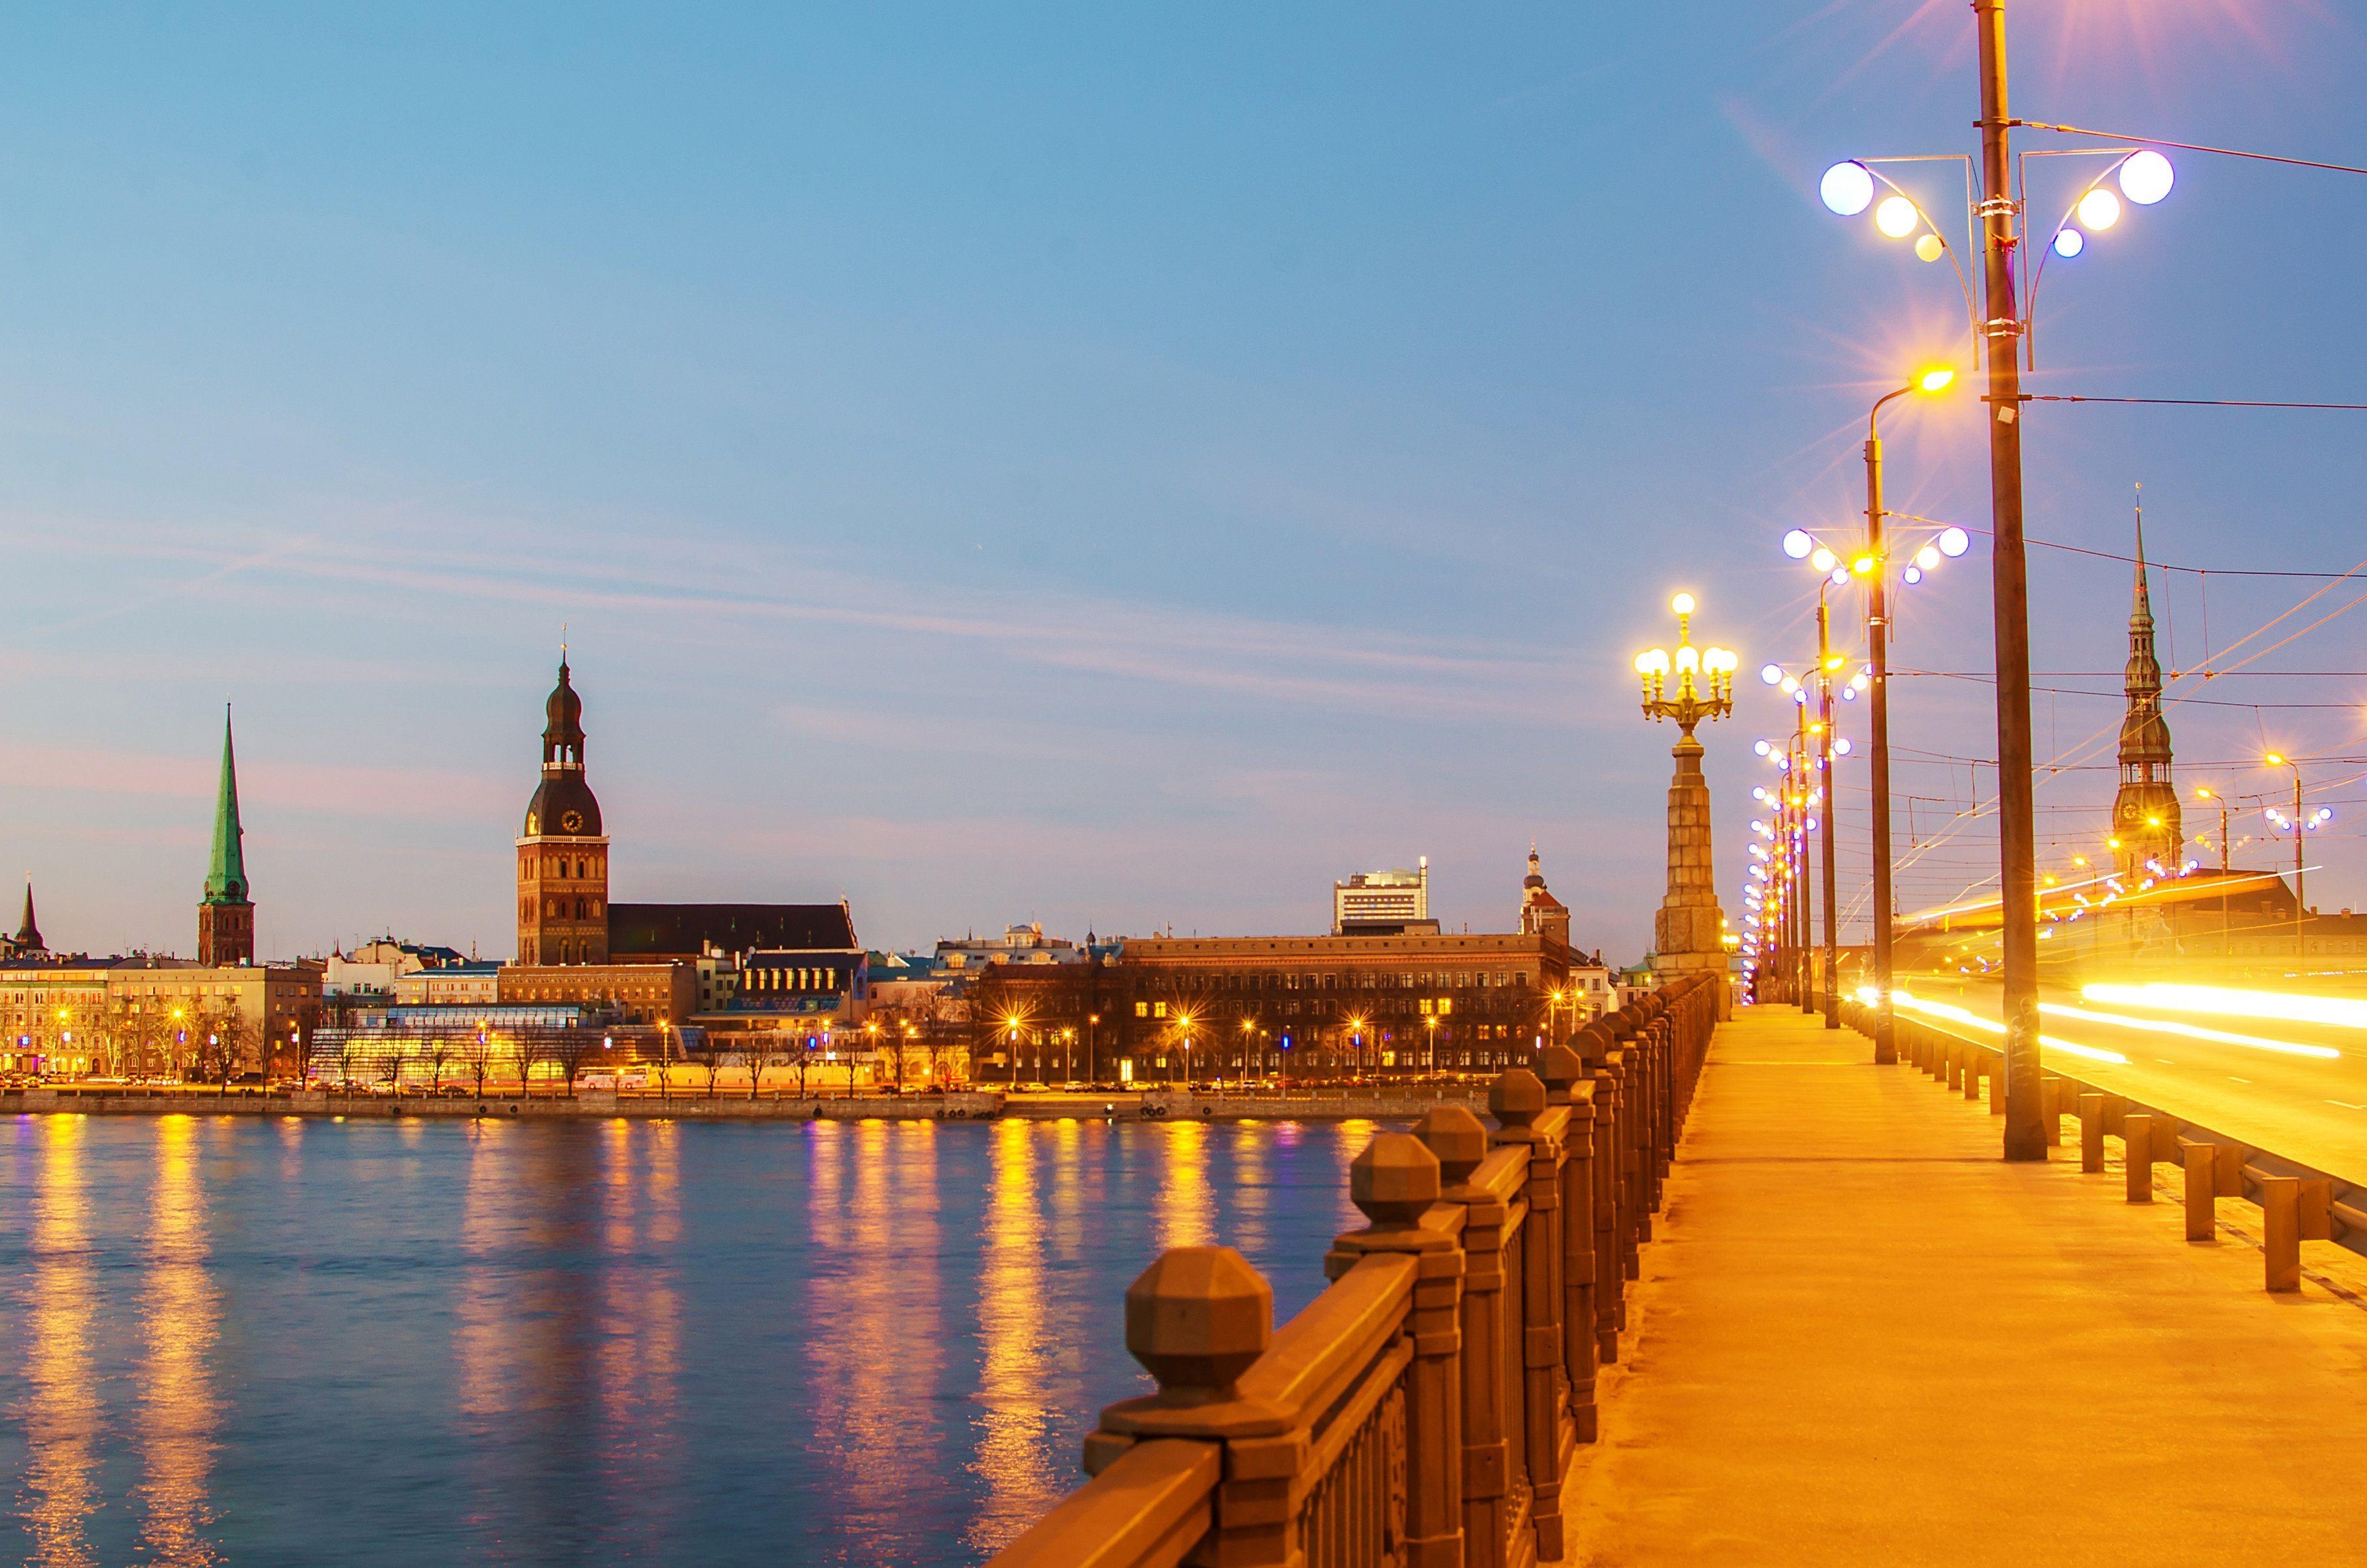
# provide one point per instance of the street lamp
(2296, 824)
(1947, 543)
(1688, 927)
(2000, 334)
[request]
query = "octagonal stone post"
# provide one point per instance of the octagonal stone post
(1197, 1319)
(1568, 1083)
(1396, 1182)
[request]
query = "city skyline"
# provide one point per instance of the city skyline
(1199, 518)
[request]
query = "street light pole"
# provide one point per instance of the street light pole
(1877, 649)
(1832, 804)
(1802, 751)
(2025, 1138)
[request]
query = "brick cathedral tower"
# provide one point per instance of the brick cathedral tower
(562, 858)
(226, 917)
(2144, 812)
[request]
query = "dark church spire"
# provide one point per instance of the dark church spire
(28, 931)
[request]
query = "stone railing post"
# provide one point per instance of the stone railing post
(1567, 1084)
(1459, 1139)
(1196, 1319)
(1396, 1182)
(1610, 1282)
(1519, 1102)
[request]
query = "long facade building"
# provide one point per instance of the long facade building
(1174, 1008)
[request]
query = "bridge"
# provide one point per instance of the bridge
(1731, 1293)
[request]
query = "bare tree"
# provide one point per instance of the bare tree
(391, 1070)
(478, 1054)
(570, 1049)
(523, 1050)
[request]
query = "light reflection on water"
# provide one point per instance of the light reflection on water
(177, 1403)
(61, 1418)
(229, 1340)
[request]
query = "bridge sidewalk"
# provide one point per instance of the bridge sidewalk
(1862, 1337)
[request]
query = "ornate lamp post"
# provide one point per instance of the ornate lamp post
(1689, 685)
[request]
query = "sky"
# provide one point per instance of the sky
(1116, 466)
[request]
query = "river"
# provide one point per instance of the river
(301, 1341)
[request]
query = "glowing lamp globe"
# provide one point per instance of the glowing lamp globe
(1897, 217)
(2100, 210)
(2145, 178)
(1914, 574)
(1936, 379)
(1954, 542)
(1927, 558)
(1847, 187)
(1684, 604)
(1823, 560)
(1761, 748)
(1772, 674)
(2069, 243)
(1929, 248)
(1842, 747)
(1797, 544)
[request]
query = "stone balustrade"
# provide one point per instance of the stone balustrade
(1425, 1408)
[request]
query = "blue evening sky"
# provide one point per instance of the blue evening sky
(1101, 463)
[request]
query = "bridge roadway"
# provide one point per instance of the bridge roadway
(1863, 1337)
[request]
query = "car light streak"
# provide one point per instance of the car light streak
(1961, 1015)
(2189, 1031)
(2224, 1002)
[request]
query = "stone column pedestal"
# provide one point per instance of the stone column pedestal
(1689, 930)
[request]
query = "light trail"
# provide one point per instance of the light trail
(1960, 1015)
(2224, 1002)
(2189, 1031)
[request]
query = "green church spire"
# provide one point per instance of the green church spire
(226, 876)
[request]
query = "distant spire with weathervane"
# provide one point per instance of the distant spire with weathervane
(226, 916)
(27, 938)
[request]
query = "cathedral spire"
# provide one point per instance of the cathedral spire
(226, 875)
(2146, 829)
(226, 914)
(28, 931)
(2141, 607)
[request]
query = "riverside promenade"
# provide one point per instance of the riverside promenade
(1860, 1336)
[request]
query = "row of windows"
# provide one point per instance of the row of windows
(564, 865)
(822, 979)
(1368, 980)
(556, 908)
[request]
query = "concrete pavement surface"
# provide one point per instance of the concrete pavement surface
(1862, 1337)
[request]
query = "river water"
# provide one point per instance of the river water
(242, 1341)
